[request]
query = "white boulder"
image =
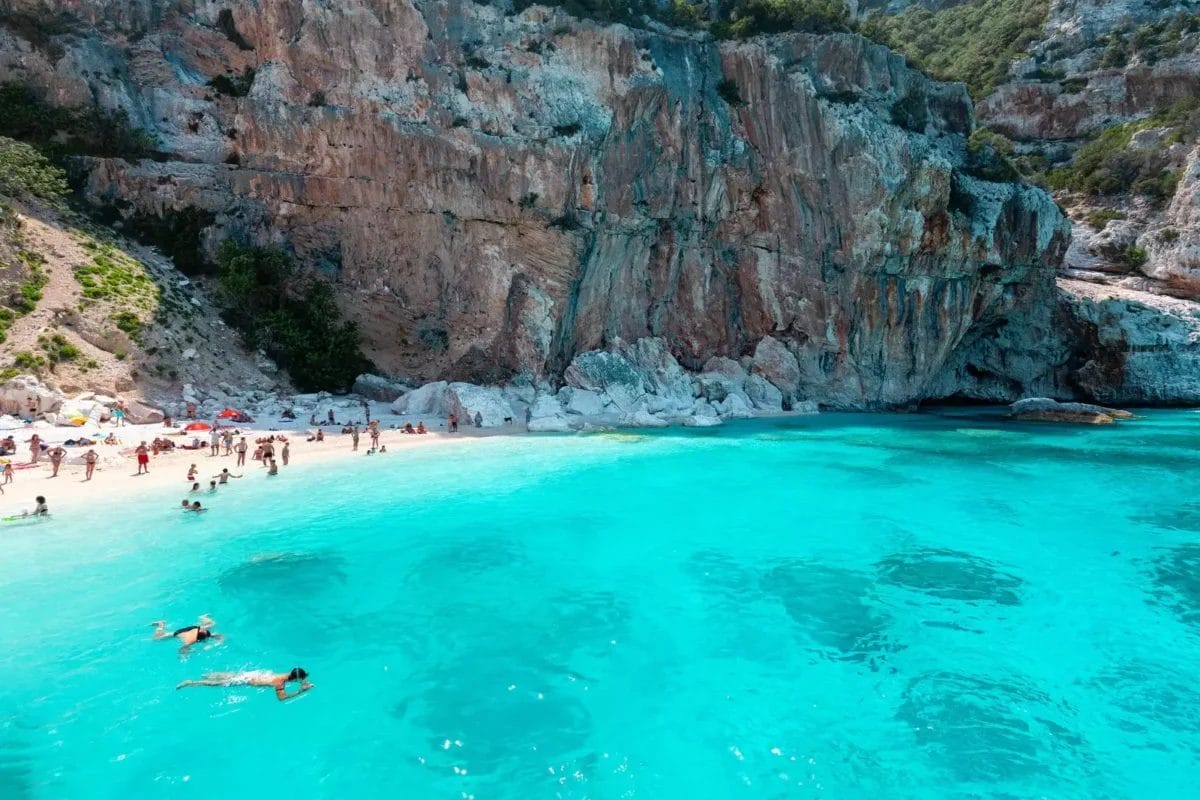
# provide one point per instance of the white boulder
(640, 417)
(735, 406)
(428, 399)
(763, 394)
(467, 400)
(584, 402)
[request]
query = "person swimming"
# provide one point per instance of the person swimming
(190, 635)
(260, 677)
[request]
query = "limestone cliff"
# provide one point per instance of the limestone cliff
(494, 193)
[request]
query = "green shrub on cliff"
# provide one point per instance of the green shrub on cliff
(27, 116)
(1150, 42)
(1109, 165)
(24, 172)
(743, 18)
(974, 42)
(292, 317)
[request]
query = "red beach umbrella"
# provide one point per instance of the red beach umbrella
(198, 426)
(229, 413)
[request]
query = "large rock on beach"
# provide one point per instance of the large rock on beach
(467, 400)
(25, 393)
(139, 413)
(377, 387)
(427, 399)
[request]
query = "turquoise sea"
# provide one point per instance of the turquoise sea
(925, 606)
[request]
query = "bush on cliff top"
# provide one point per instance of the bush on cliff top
(974, 42)
(291, 317)
(743, 18)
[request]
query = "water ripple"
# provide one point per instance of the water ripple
(993, 731)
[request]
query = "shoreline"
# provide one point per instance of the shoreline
(115, 476)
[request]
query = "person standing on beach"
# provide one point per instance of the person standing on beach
(143, 459)
(453, 423)
(35, 448)
(478, 420)
(373, 428)
(8, 472)
(354, 437)
(228, 439)
(331, 416)
(241, 448)
(366, 407)
(89, 461)
(57, 454)
(118, 416)
(214, 442)
(283, 453)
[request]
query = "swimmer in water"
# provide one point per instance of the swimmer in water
(260, 677)
(192, 634)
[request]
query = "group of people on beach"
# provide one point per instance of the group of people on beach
(203, 631)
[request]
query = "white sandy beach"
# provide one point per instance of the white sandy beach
(115, 477)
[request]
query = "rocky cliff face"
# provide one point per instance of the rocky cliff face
(496, 193)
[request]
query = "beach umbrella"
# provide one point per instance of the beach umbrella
(198, 426)
(229, 413)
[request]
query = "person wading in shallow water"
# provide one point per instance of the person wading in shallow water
(260, 677)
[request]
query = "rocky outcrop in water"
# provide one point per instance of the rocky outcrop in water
(497, 194)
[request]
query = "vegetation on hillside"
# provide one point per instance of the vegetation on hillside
(1150, 42)
(740, 19)
(289, 315)
(58, 132)
(974, 42)
(1109, 165)
(25, 173)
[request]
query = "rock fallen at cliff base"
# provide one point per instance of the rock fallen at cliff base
(139, 413)
(467, 400)
(641, 417)
(1043, 409)
(428, 399)
(377, 387)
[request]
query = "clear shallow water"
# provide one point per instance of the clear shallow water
(840, 606)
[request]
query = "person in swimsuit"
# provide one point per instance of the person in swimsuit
(260, 677)
(57, 454)
(192, 634)
(225, 475)
(143, 459)
(89, 459)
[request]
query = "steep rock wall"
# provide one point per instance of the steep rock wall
(495, 193)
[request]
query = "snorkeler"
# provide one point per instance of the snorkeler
(190, 635)
(260, 677)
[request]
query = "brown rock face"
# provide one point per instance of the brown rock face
(494, 194)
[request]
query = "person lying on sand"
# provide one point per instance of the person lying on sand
(190, 635)
(260, 677)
